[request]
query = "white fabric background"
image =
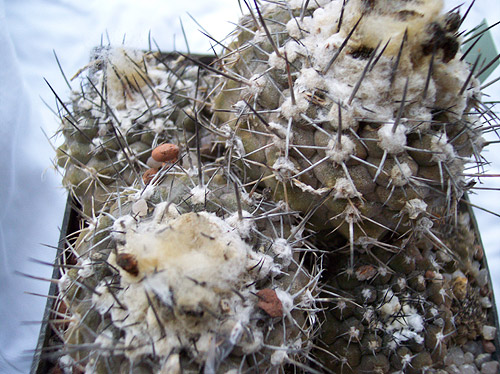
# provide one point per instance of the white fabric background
(31, 202)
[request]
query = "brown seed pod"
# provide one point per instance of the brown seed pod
(167, 152)
(149, 175)
(128, 263)
(270, 303)
(366, 272)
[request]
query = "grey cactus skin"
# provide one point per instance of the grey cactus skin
(187, 271)
(373, 117)
(343, 198)
(129, 103)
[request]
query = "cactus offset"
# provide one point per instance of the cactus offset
(371, 116)
(178, 265)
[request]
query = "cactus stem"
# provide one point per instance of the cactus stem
(317, 163)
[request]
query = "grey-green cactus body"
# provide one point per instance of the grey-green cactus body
(372, 118)
(183, 270)
(129, 103)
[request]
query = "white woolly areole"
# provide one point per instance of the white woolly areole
(403, 326)
(415, 207)
(283, 251)
(198, 194)
(293, 29)
(140, 207)
(67, 363)
(291, 110)
(401, 283)
(106, 342)
(210, 249)
(278, 357)
(293, 50)
(309, 79)
(87, 269)
(189, 264)
(284, 169)
(479, 142)
(339, 154)
(190, 282)
(286, 300)
(121, 225)
(277, 62)
(407, 326)
(256, 84)
(126, 73)
(400, 174)
(64, 283)
(443, 151)
(148, 191)
(244, 225)
(165, 210)
(102, 299)
(325, 19)
(392, 142)
(344, 189)
(347, 116)
(240, 107)
(263, 265)
(366, 293)
(234, 142)
(280, 130)
(391, 306)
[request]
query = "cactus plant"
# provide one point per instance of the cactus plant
(298, 205)
(178, 265)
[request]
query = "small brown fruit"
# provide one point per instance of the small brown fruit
(366, 272)
(149, 175)
(167, 152)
